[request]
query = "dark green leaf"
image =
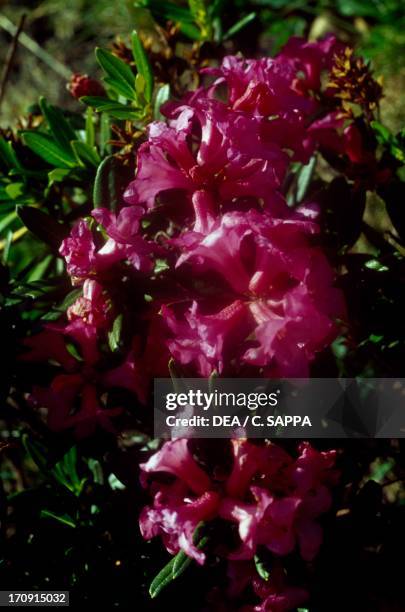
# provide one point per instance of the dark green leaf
(7, 154)
(163, 578)
(36, 451)
(382, 133)
(59, 126)
(175, 567)
(85, 154)
(168, 10)
(49, 150)
(114, 109)
(111, 180)
(65, 519)
(239, 25)
(117, 70)
(45, 227)
(65, 472)
(142, 64)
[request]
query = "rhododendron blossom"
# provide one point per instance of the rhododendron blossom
(278, 512)
(207, 148)
(282, 302)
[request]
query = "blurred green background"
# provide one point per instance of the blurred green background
(69, 31)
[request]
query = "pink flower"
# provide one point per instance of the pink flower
(281, 301)
(73, 399)
(177, 521)
(204, 340)
(309, 59)
(175, 458)
(79, 252)
(92, 307)
(208, 150)
(263, 87)
(67, 392)
(276, 594)
(48, 345)
(270, 504)
(124, 239)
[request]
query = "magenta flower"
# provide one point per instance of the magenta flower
(79, 252)
(210, 151)
(175, 458)
(92, 307)
(269, 502)
(74, 404)
(263, 87)
(177, 520)
(124, 239)
(309, 59)
(281, 299)
(75, 398)
(276, 594)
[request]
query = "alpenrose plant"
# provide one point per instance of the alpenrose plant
(212, 263)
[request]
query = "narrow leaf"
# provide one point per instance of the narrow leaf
(65, 519)
(61, 130)
(116, 69)
(239, 25)
(48, 150)
(45, 227)
(142, 64)
(85, 154)
(112, 108)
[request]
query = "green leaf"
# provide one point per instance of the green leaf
(14, 190)
(374, 264)
(169, 10)
(39, 271)
(382, 133)
(118, 71)
(65, 519)
(114, 336)
(162, 96)
(110, 182)
(61, 130)
(142, 64)
(90, 132)
(261, 568)
(49, 150)
(65, 472)
(57, 175)
(190, 30)
(304, 179)
(175, 568)
(8, 220)
(121, 88)
(85, 154)
(42, 225)
(36, 451)
(7, 154)
(112, 108)
(163, 578)
(105, 134)
(239, 25)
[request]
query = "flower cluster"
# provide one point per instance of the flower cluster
(271, 499)
(226, 273)
(205, 263)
